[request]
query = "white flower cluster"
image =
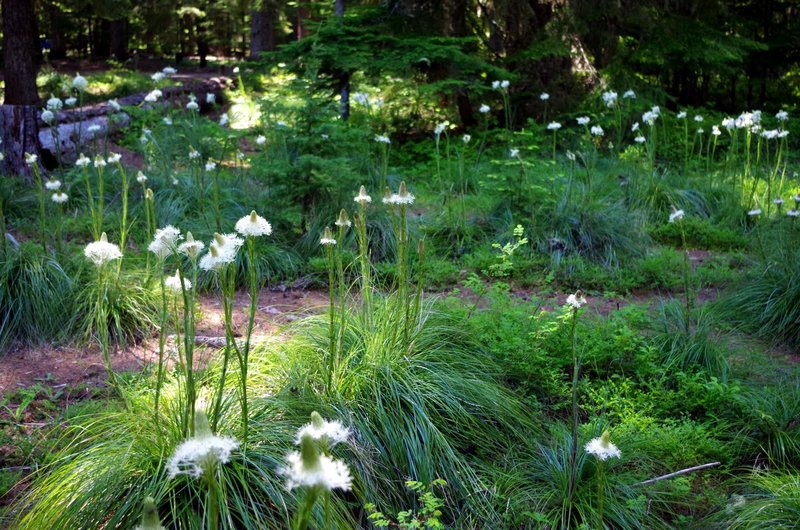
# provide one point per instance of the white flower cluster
(382, 139)
(221, 251)
(173, 283)
(602, 448)
(202, 452)
(401, 198)
(500, 85)
(101, 252)
(576, 300)
(583, 120)
(310, 467)
(610, 98)
(553, 126)
(253, 225)
(676, 215)
(362, 197)
(165, 241)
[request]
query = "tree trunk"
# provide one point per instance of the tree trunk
(19, 113)
(119, 39)
(344, 77)
(262, 29)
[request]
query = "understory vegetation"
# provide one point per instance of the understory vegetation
(576, 322)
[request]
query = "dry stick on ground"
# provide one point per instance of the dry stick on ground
(677, 473)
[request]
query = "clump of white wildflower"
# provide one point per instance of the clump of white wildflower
(190, 247)
(362, 197)
(327, 237)
(59, 197)
(402, 197)
(221, 251)
(202, 452)
(173, 283)
(676, 215)
(343, 221)
(165, 241)
(311, 467)
(331, 432)
(101, 252)
(576, 300)
(553, 126)
(253, 225)
(53, 185)
(602, 447)
(80, 83)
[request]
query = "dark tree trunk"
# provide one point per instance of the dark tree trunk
(300, 29)
(19, 113)
(58, 45)
(262, 29)
(101, 41)
(119, 39)
(344, 77)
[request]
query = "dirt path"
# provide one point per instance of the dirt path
(68, 366)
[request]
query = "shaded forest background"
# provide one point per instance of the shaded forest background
(717, 53)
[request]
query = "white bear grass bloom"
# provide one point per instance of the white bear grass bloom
(602, 448)
(261, 139)
(676, 215)
(101, 252)
(53, 185)
(754, 212)
(141, 178)
(402, 197)
(48, 117)
(327, 237)
(483, 109)
(191, 247)
(253, 225)
(173, 283)
(83, 161)
(553, 126)
(576, 300)
(165, 241)
(54, 103)
(597, 131)
(583, 120)
(80, 83)
(382, 139)
(362, 197)
(59, 197)
(331, 432)
(222, 251)
(201, 453)
(311, 467)
(544, 96)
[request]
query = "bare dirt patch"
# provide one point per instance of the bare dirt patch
(25, 366)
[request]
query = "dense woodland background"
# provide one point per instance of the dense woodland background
(721, 53)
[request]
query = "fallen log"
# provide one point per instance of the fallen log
(78, 128)
(214, 85)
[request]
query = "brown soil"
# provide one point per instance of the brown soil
(68, 366)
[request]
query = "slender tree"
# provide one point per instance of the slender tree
(19, 114)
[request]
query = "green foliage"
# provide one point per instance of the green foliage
(768, 499)
(768, 423)
(428, 515)
(690, 341)
(35, 295)
(700, 233)
(767, 303)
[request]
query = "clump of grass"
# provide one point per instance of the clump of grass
(35, 295)
(131, 308)
(689, 339)
(771, 499)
